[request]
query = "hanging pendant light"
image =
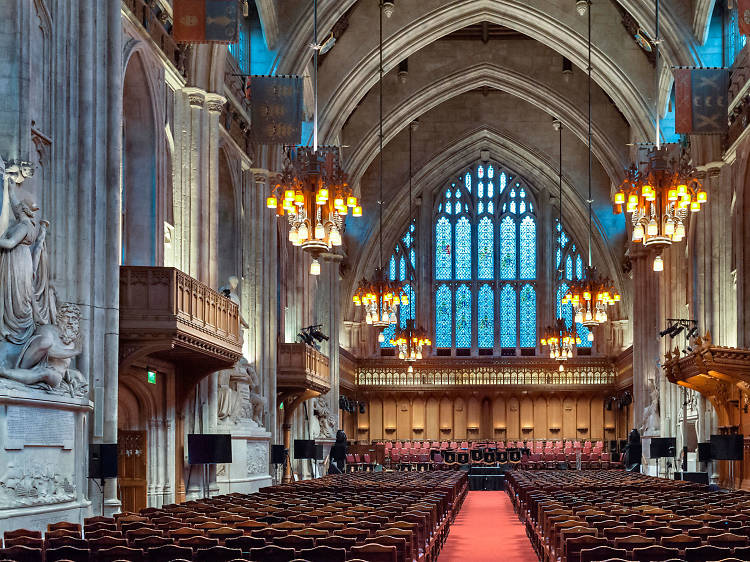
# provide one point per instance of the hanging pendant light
(380, 297)
(592, 295)
(312, 190)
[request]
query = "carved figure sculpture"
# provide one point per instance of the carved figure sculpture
(238, 396)
(326, 421)
(651, 420)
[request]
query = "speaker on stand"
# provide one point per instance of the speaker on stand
(102, 463)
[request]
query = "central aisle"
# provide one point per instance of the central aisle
(487, 529)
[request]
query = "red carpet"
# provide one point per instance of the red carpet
(487, 529)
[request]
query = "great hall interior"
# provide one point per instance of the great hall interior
(381, 280)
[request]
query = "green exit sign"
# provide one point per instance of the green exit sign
(151, 376)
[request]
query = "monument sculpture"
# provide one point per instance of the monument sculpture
(37, 341)
(239, 398)
(324, 422)
(651, 420)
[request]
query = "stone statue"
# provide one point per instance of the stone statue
(239, 400)
(230, 291)
(326, 422)
(36, 343)
(651, 420)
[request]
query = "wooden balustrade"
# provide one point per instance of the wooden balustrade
(302, 368)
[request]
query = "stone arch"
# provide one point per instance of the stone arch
(230, 208)
(139, 168)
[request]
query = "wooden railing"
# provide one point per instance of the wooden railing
(301, 367)
(157, 31)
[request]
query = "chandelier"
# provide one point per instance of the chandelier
(314, 194)
(658, 199)
(409, 341)
(590, 298)
(380, 298)
(560, 340)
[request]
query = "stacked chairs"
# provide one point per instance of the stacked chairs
(370, 516)
(599, 515)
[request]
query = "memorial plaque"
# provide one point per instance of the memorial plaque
(39, 427)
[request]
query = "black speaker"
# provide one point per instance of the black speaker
(304, 449)
(319, 456)
(209, 448)
(102, 460)
(697, 477)
(704, 452)
(663, 447)
(361, 407)
(278, 453)
(727, 447)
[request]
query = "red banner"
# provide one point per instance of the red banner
(683, 95)
(206, 21)
(743, 16)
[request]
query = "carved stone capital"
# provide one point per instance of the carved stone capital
(196, 97)
(214, 102)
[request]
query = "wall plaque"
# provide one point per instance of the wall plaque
(40, 427)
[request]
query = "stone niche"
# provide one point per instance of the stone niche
(43, 458)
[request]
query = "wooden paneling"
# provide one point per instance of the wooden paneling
(404, 419)
(376, 418)
(417, 418)
(514, 418)
(389, 418)
(540, 418)
(554, 417)
(485, 428)
(569, 418)
(499, 419)
(527, 418)
(473, 418)
(459, 418)
(596, 428)
(446, 418)
(583, 417)
(432, 426)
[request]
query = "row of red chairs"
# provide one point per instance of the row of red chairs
(539, 445)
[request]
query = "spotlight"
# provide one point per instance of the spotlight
(675, 331)
(693, 331)
(665, 331)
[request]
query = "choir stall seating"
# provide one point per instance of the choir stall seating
(549, 454)
(599, 515)
(392, 517)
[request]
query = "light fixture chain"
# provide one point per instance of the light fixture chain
(590, 201)
(380, 203)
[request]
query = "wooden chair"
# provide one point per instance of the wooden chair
(245, 543)
(22, 533)
(323, 554)
(142, 532)
(680, 541)
(402, 554)
(67, 552)
(634, 541)
(100, 533)
(659, 532)
(310, 532)
(198, 542)
(145, 543)
(729, 540)
(374, 552)
(707, 553)
(64, 525)
(272, 553)
(66, 541)
(216, 554)
(224, 533)
(62, 533)
(574, 545)
(655, 553)
(106, 542)
(169, 552)
(184, 533)
(22, 554)
(411, 547)
(294, 541)
(600, 553)
(358, 534)
(704, 533)
(117, 553)
(250, 525)
(31, 542)
(270, 533)
(742, 552)
(336, 541)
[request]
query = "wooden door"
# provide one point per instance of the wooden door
(131, 469)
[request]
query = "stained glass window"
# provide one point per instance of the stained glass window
(583, 333)
(463, 316)
(388, 333)
(528, 248)
(528, 316)
(508, 248)
(486, 250)
(572, 270)
(443, 316)
(486, 317)
(407, 312)
(463, 249)
(579, 267)
(508, 316)
(443, 252)
(402, 268)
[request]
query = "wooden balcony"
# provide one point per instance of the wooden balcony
(165, 313)
(302, 368)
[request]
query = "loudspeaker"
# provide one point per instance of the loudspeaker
(102, 460)
(697, 477)
(663, 447)
(278, 454)
(209, 448)
(319, 456)
(304, 449)
(727, 447)
(361, 407)
(704, 452)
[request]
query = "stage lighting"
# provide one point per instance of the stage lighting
(693, 331)
(675, 331)
(665, 331)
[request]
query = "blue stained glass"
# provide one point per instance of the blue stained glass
(388, 333)
(490, 189)
(463, 249)
(392, 269)
(443, 317)
(443, 250)
(486, 249)
(512, 206)
(531, 207)
(413, 258)
(407, 239)
(490, 172)
(440, 208)
(402, 269)
(563, 238)
(528, 316)
(458, 207)
(579, 267)
(583, 333)
(480, 172)
(458, 193)
(448, 207)
(486, 317)
(503, 182)
(564, 311)
(568, 268)
(508, 249)
(480, 190)
(480, 208)
(411, 227)
(467, 182)
(512, 192)
(522, 193)
(573, 248)
(528, 248)
(407, 312)
(463, 316)
(508, 316)
(490, 207)
(448, 194)
(558, 257)
(522, 207)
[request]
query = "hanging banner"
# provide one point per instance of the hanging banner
(276, 109)
(701, 96)
(743, 16)
(206, 21)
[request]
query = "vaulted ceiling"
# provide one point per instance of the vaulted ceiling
(486, 74)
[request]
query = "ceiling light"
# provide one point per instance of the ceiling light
(582, 6)
(388, 7)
